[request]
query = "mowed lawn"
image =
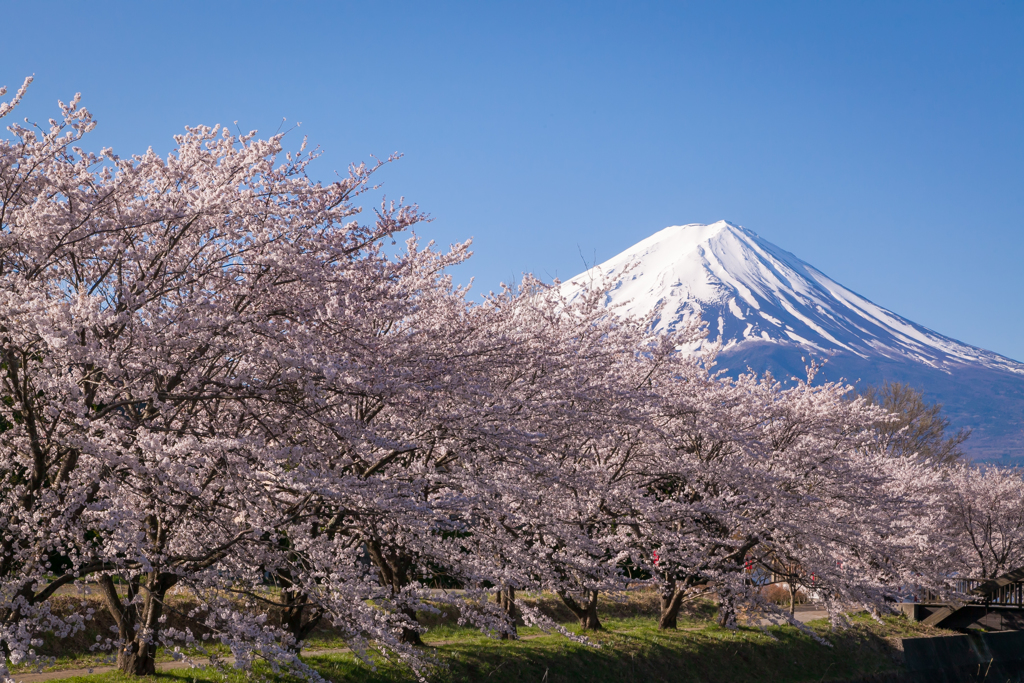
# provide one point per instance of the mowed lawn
(631, 649)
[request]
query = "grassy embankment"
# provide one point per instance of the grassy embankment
(632, 649)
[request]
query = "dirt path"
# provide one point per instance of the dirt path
(811, 615)
(803, 616)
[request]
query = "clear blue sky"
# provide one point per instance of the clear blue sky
(882, 142)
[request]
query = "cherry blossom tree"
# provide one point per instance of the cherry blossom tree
(216, 379)
(748, 472)
(158, 315)
(562, 396)
(983, 520)
(843, 517)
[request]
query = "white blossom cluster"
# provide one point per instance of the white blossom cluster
(216, 381)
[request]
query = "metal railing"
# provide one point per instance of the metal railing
(965, 586)
(1011, 594)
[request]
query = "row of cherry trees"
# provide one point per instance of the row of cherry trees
(217, 379)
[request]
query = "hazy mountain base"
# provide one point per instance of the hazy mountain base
(990, 402)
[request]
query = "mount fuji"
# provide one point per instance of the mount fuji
(771, 311)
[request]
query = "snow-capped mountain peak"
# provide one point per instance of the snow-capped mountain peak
(750, 291)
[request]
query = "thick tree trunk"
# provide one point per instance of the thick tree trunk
(506, 598)
(298, 616)
(586, 613)
(137, 659)
(671, 601)
(792, 598)
(138, 624)
(394, 573)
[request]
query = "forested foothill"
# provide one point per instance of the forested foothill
(237, 410)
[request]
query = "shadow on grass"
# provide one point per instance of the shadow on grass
(645, 654)
(632, 650)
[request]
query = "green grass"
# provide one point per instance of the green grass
(632, 649)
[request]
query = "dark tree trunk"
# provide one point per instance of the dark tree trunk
(671, 601)
(393, 568)
(726, 613)
(410, 635)
(792, 598)
(506, 599)
(137, 659)
(138, 624)
(298, 616)
(586, 612)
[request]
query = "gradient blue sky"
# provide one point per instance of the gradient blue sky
(882, 142)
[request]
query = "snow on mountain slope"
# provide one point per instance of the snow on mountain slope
(751, 292)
